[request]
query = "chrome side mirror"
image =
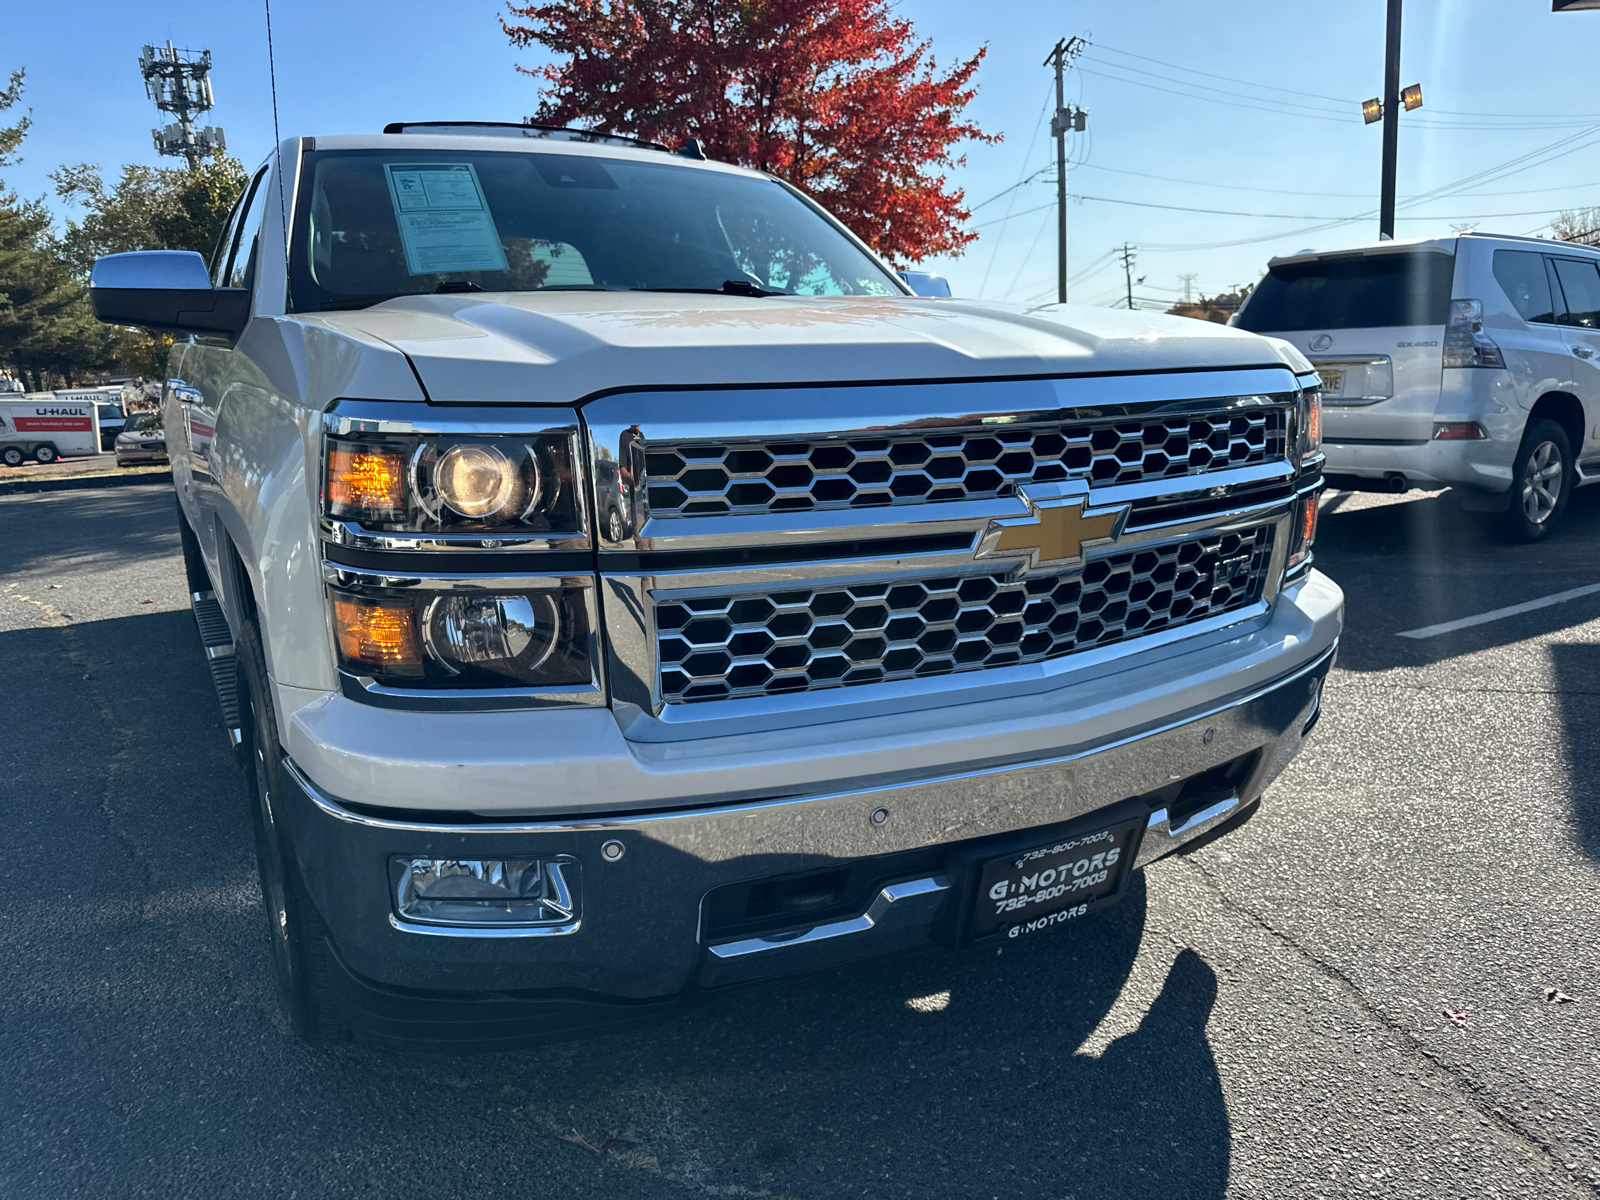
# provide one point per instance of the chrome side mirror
(926, 283)
(168, 291)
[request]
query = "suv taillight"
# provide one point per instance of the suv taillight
(1465, 342)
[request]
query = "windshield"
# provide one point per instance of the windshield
(374, 224)
(1365, 292)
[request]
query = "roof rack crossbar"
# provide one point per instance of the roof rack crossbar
(561, 133)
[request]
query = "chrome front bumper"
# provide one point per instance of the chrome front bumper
(640, 930)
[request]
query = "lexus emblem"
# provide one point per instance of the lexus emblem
(1059, 527)
(1321, 342)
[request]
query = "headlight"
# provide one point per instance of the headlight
(423, 638)
(420, 484)
(1309, 423)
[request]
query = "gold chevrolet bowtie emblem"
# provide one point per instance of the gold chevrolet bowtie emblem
(1056, 530)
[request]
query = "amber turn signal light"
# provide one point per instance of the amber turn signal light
(365, 481)
(380, 635)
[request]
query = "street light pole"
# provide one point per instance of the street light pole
(1391, 121)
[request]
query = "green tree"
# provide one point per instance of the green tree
(46, 327)
(11, 135)
(149, 208)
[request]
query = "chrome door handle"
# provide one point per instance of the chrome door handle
(1583, 351)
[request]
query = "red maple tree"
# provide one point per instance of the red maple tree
(836, 96)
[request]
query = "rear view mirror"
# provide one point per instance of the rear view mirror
(165, 290)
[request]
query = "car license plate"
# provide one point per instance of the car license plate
(1332, 380)
(1038, 889)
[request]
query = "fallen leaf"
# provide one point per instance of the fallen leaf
(1557, 996)
(147, 602)
(1458, 1016)
(577, 1139)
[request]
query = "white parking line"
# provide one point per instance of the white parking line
(1511, 610)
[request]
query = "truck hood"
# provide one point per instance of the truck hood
(559, 347)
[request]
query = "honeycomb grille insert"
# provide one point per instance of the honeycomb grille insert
(728, 647)
(862, 471)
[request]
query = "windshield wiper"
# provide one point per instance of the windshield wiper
(730, 287)
(453, 286)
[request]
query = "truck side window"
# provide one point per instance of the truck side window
(241, 256)
(219, 256)
(1522, 276)
(1580, 283)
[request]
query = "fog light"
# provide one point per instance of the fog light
(487, 891)
(505, 630)
(475, 480)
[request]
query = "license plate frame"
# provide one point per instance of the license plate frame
(1039, 886)
(1332, 380)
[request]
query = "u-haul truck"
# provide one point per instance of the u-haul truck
(42, 429)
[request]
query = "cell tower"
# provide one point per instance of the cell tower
(177, 81)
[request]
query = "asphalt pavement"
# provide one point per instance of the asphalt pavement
(1383, 986)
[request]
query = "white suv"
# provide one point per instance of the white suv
(1472, 362)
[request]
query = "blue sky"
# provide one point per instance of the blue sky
(1503, 80)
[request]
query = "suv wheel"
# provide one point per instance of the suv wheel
(45, 454)
(1541, 482)
(13, 456)
(301, 959)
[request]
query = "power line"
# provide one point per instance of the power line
(1027, 156)
(1224, 78)
(1564, 118)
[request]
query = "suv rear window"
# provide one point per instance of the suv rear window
(1367, 292)
(1521, 275)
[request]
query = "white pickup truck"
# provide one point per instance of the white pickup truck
(621, 586)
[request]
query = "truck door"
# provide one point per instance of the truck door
(207, 366)
(1579, 280)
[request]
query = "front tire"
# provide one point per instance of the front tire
(301, 959)
(1541, 481)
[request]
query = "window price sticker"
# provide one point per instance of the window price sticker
(444, 220)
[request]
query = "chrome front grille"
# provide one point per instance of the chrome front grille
(862, 470)
(780, 641)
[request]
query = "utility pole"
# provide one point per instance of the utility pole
(1065, 51)
(1391, 121)
(178, 81)
(1127, 253)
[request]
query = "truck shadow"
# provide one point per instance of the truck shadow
(1577, 671)
(934, 1074)
(1406, 566)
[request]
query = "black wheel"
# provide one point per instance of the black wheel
(194, 563)
(1541, 481)
(45, 454)
(13, 456)
(301, 959)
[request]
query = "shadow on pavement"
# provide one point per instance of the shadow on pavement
(144, 1024)
(1427, 561)
(110, 527)
(1577, 670)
